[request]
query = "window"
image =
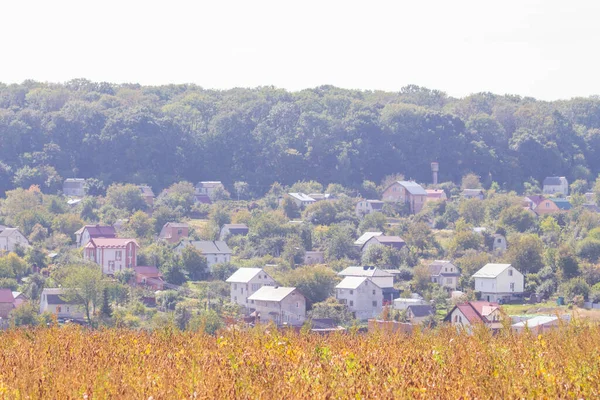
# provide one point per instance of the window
(510, 272)
(351, 303)
(375, 303)
(235, 286)
(179, 231)
(512, 286)
(446, 269)
(460, 319)
(434, 280)
(374, 292)
(118, 255)
(456, 318)
(547, 204)
(352, 292)
(67, 309)
(297, 304)
(241, 290)
(255, 287)
(235, 298)
(498, 240)
(111, 265)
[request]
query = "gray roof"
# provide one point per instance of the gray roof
(236, 228)
(367, 271)
(302, 197)
(208, 247)
(53, 295)
(8, 231)
(435, 268)
(209, 184)
(421, 310)
(413, 188)
(366, 237)
(536, 321)
(244, 275)
(491, 270)
(472, 192)
(271, 293)
(351, 282)
(389, 239)
(552, 181)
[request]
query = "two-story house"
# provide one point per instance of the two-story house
(112, 254)
(55, 302)
(147, 194)
(11, 238)
(499, 282)
(361, 295)
(174, 232)
(245, 282)
(87, 232)
(364, 238)
(74, 187)
(381, 278)
(216, 252)
(466, 315)
(364, 207)
(410, 193)
(279, 304)
(208, 188)
(556, 184)
(7, 303)
(395, 242)
(444, 273)
(302, 200)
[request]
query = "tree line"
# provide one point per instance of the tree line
(159, 135)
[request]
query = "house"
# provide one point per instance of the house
(202, 199)
(208, 187)
(149, 277)
(74, 187)
(556, 184)
(471, 313)
(233, 230)
(403, 303)
(532, 201)
(54, 302)
(282, 305)
(381, 278)
(419, 313)
(245, 282)
(215, 252)
(406, 192)
(173, 232)
(11, 238)
(314, 257)
(7, 302)
(499, 282)
(444, 273)
(88, 232)
(395, 242)
(472, 194)
(364, 207)
(546, 206)
(360, 242)
(562, 204)
(20, 298)
(112, 254)
(362, 297)
(436, 195)
(147, 194)
(499, 244)
(537, 325)
(302, 200)
(321, 196)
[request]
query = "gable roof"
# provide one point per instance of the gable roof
(413, 188)
(99, 231)
(536, 321)
(302, 197)
(351, 282)
(367, 271)
(435, 268)
(563, 204)
(146, 190)
(110, 242)
(383, 239)
(434, 193)
(147, 271)
(209, 247)
(365, 237)
(272, 293)
(236, 228)
(552, 181)
(474, 311)
(8, 232)
(243, 275)
(6, 296)
(53, 295)
(421, 310)
(491, 270)
(537, 199)
(376, 204)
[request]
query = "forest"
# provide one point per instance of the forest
(158, 135)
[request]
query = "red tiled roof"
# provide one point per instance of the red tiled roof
(150, 272)
(6, 296)
(473, 310)
(110, 242)
(536, 199)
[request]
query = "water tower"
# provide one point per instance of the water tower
(435, 167)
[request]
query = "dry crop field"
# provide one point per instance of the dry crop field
(70, 362)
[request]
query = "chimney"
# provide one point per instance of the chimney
(435, 167)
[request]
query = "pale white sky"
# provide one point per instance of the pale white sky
(546, 49)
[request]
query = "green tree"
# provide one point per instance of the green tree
(320, 213)
(84, 285)
(13, 266)
(374, 222)
(194, 263)
(289, 207)
(125, 197)
(567, 263)
(517, 218)
(525, 253)
(315, 282)
(331, 308)
(94, 187)
(141, 224)
(25, 315)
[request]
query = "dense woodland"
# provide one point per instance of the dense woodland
(161, 135)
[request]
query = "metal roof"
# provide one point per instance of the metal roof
(413, 188)
(491, 270)
(302, 197)
(366, 237)
(208, 247)
(553, 181)
(272, 293)
(367, 271)
(351, 282)
(536, 321)
(244, 275)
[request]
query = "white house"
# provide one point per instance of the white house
(470, 313)
(499, 282)
(365, 237)
(53, 302)
(112, 254)
(302, 200)
(74, 187)
(216, 252)
(10, 238)
(361, 295)
(395, 242)
(245, 282)
(380, 277)
(499, 244)
(556, 184)
(403, 303)
(444, 273)
(364, 207)
(208, 187)
(314, 257)
(279, 304)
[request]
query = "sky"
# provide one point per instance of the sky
(545, 49)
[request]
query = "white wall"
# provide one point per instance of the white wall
(361, 300)
(292, 309)
(241, 291)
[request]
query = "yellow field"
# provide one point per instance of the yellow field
(63, 363)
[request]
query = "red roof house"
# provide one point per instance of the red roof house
(113, 254)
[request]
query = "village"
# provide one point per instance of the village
(396, 256)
